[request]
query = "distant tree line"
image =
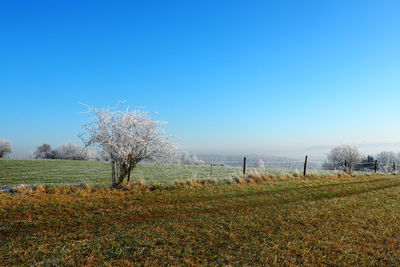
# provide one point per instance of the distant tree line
(68, 151)
(348, 158)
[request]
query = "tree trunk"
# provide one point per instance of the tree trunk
(113, 172)
(350, 167)
(123, 172)
(130, 169)
(121, 177)
(129, 175)
(120, 172)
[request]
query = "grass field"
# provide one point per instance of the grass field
(59, 172)
(341, 221)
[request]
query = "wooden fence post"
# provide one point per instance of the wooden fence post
(211, 170)
(244, 166)
(376, 166)
(394, 167)
(305, 167)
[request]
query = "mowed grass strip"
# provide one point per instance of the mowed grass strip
(338, 221)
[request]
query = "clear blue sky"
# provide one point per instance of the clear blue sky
(227, 75)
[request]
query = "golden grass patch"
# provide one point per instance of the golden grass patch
(254, 220)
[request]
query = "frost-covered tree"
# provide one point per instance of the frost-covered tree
(70, 151)
(44, 152)
(197, 161)
(5, 148)
(186, 159)
(346, 156)
(127, 138)
(260, 164)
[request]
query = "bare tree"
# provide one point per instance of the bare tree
(5, 148)
(346, 156)
(126, 137)
(260, 164)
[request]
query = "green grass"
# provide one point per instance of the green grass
(66, 172)
(58, 172)
(338, 221)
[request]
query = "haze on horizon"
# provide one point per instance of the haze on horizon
(279, 78)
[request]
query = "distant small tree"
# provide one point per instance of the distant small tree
(260, 164)
(186, 159)
(370, 159)
(346, 156)
(196, 161)
(44, 152)
(199, 162)
(126, 137)
(5, 148)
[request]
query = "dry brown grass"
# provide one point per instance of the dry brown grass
(256, 220)
(255, 178)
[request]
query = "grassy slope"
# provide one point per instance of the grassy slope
(340, 221)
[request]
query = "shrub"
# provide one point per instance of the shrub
(5, 148)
